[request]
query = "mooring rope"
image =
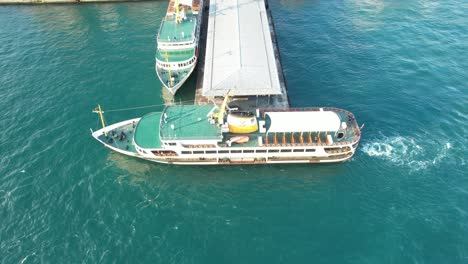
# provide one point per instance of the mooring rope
(141, 107)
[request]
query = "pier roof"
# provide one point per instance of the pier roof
(240, 56)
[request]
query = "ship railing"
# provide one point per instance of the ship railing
(179, 40)
(180, 138)
(159, 31)
(188, 138)
(335, 144)
(298, 144)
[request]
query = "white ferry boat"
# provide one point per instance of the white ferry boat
(208, 135)
(177, 43)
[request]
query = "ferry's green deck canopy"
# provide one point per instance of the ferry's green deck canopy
(147, 131)
(171, 31)
(188, 122)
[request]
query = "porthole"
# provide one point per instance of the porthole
(340, 135)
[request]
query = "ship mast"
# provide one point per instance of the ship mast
(222, 110)
(178, 8)
(219, 116)
(99, 111)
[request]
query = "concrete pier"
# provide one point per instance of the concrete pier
(239, 54)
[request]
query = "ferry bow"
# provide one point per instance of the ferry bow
(177, 43)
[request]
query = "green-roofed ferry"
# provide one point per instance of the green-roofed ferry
(177, 43)
(219, 134)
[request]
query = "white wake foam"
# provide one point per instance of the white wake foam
(406, 151)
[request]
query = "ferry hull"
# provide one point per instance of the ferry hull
(192, 163)
(247, 162)
(173, 43)
(205, 143)
(206, 160)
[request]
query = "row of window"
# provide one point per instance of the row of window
(199, 146)
(141, 150)
(167, 65)
(187, 63)
(247, 151)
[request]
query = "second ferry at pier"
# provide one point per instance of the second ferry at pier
(208, 135)
(177, 43)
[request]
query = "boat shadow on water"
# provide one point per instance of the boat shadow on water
(137, 170)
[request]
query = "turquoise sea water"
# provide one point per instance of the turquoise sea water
(399, 66)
